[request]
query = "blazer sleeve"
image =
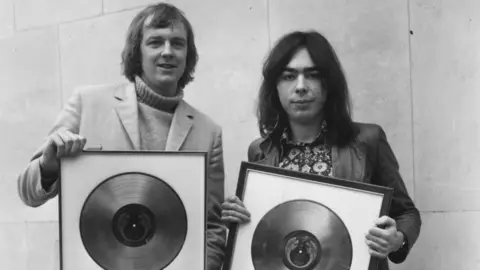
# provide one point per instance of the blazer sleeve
(29, 181)
(403, 209)
(216, 231)
(254, 152)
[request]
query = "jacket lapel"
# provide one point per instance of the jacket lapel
(337, 169)
(127, 111)
(348, 163)
(181, 124)
(271, 154)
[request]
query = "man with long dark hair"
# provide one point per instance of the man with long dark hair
(305, 125)
(148, 113)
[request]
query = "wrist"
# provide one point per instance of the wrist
(402, 240)
(48, 169)
(47, 165)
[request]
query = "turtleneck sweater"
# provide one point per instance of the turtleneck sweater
(155, 114)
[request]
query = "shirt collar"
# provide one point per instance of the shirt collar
(285, 138)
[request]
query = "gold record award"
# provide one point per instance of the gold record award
(133, 210)
(301, 221)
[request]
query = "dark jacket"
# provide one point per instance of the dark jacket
(368, 159)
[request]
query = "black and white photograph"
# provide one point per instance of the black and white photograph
(239, 135)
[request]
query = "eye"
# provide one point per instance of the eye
(179, 43)
(155, 43)
(288, 77)
(313, 75)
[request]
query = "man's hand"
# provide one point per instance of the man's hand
(383, 238)
(234, 211)
(61, 143)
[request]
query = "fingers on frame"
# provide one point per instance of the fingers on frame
(378, 241)
(378, 232)
(234, 214)
(373, 246)
(59, 144)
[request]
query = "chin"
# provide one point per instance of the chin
(302, 117)
(163, 79)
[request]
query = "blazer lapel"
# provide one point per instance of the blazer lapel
(181, 124)
(271, 154)
(127, 111)
(348, 163)
(337, 170)
(270, 160)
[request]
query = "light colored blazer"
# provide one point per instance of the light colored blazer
(108, 116)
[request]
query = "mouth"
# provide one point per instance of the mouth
(166, 66)
(305, 101)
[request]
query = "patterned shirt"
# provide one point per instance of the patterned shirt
(314, 157)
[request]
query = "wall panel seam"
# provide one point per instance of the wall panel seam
(412, 110)
(60, 71)
(268, 24)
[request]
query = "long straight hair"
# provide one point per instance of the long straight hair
(337, 113)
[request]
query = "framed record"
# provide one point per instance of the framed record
(303, 221)
(133, 210)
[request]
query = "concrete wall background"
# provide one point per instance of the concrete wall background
(421, 86)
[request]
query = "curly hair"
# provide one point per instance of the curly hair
(270, 113)
(162, 15)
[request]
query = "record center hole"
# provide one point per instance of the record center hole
(133, 225)
(302, 250)
(299, 255)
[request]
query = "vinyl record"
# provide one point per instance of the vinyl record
(133, 221)
(301, 235)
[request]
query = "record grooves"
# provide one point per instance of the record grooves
(133, 221)
(301, 235)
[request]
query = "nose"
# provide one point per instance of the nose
(167, 49)
(300, 87)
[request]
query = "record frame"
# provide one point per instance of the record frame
(193, 199)
(255, 180)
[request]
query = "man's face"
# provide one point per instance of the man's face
(300, 89)
(164, 55)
